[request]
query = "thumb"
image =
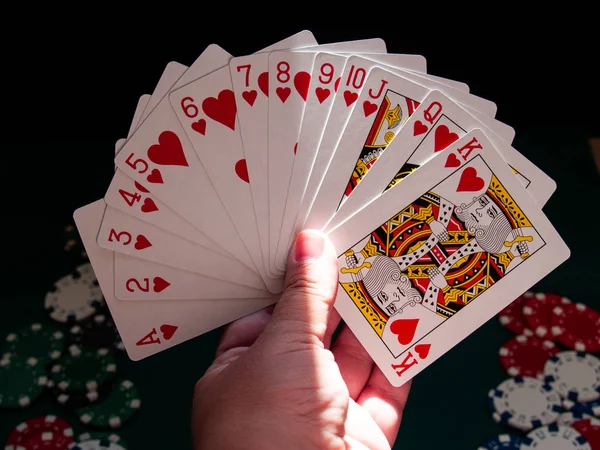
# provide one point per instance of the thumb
(309, 291)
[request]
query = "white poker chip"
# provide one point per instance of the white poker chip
(97, 444)
(73, 299)
(574, 375)
(86, 271)
(555, 437)
(569, 417)
(524, 403)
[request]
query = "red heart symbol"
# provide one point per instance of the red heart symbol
(283, 93)
(250, 96)
(337, 84)
(302, 83)
(422, 350)
(141, 242)
(350, 97)
(221, 109)
(241, 169)
(452, 161)
(149, 206)
(295, 148)
(443, 138)
(469, 181)
(168, 151)
(369, 108)
(263, 83)
(322, 94)
(420, 128)
(405, 329)
(160, 284)
(155, 177)
(168, 331)
(140, 188)
(199, 126)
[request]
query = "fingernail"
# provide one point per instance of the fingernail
(309, 245)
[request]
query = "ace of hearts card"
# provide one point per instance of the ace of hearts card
(422, 267)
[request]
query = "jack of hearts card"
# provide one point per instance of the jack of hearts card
(422, 267)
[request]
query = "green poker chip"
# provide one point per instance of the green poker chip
(104, 437)
(43, 342)
(22, 380)
(122, 403)
(83, 369)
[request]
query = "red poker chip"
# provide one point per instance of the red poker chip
(512, 319)
(37, 426)
(525, 356)
(589, 429)
(576, 326)
(537, 309)
(48, 441)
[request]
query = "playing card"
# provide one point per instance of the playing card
(147, 328)
(423, 266)
(250, 79)
(436, 123)
(137, 116)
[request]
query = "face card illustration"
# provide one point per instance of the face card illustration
(147, 328)
(437, 123)
(424, 266)
(250, 78)
(384, 105)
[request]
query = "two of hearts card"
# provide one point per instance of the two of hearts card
(436, 219)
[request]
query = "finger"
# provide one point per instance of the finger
(385, 403)
(354, 361)
(244, 332)
(361, 428)
(302, 314)
(332, 324)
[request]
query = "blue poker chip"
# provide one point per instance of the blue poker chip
(555, 437)
(524, 403)
(502, 442)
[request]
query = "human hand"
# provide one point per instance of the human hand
(278, 382)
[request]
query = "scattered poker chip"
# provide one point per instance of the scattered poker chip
(524, 403)
(537, 309)
(22, 380)
(97, 332)
(526, 355)
(73, 299)
(102, 436)
(511, 317)
(85, 271)
(567, 418)
(97, 444)
(591, 408)
(589, 429)
(79, 399)
(575, 375)
(83, 369)
(32, 427)
(48, 441)
(122, 403)
(43, 342)
(576, 326)
(555, 437)
(502, 442)
(73, 243)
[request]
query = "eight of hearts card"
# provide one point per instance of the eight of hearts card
(229, 159)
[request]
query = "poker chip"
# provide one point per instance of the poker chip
(33, 427)
(591, 408)
(43, 342)
(73, 299)
(524, 403)
(576, 326)
(98, 332)
(526, 355)
(86, 271)
(567, 418)
(79, 399)
(48, 441)
(83, 369)
(555, 437)
(73, 243)
(502, 442)
(22, 380)
(589, 429)
(575, 375)
(97, 444)
(122, 403)
(102, 436)
(537, 309)
(511, 317)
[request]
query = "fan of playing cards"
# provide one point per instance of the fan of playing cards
(230, 158)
